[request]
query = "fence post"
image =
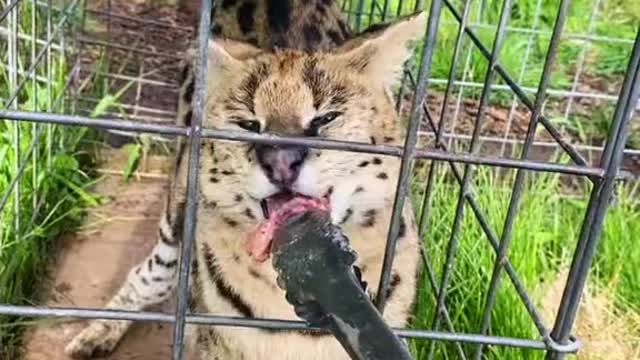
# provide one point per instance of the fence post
(601, 196)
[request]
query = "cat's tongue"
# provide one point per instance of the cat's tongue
(279, 208)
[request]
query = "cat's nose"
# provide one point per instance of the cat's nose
(281, 164)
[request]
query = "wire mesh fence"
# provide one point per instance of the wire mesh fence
(441, 128)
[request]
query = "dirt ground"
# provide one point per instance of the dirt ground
(606, 332)
(93, 262)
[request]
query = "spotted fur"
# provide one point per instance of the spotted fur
(281, 64)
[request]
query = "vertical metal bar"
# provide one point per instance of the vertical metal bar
(359, 12)
(13, 85)
(78, 48)
(523, 70)
(372, 10)
(518, 186)
(409, 146)
(582, 57)
(399, 9)
(433, 170)
(63, 47)
(600, 198)
(385, 10)
(403, 84)
(107, 53)
(465, 74)
(35, 107)
(350, 10)
(580, 66)
(344, 5)
(468, 170)
(49, 59)
(195, 138)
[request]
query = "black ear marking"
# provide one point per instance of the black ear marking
(245, 15)
(228, 3)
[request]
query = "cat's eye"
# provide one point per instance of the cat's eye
(249, 125)
(320, 121)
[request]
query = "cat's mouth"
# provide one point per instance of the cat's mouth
(277, 209)
(271, 204)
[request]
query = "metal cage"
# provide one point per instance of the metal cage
(63, 34)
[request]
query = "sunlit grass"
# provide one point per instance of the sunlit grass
(544, 238)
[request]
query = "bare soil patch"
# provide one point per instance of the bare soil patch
(94, 262)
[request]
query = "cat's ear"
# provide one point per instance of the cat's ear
(226, 60)
(228, 55)
(381, 51)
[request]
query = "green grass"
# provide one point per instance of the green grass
(616, 19)
(603, 70)
(544, 237)
(52, 188)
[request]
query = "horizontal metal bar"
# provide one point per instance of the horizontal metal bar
(27, 37)
(571, 347)
(144, 109)
(304, 141)
(84, 313)
(140, 80)
(41, 79)
(274, 324)
(89, 41)
(510, 163)
(97, 123)
(552, 92)
(567, 35)
(499, 140)
(138, 118)
(138, 20)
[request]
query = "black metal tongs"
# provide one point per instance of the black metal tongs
(315, 267)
